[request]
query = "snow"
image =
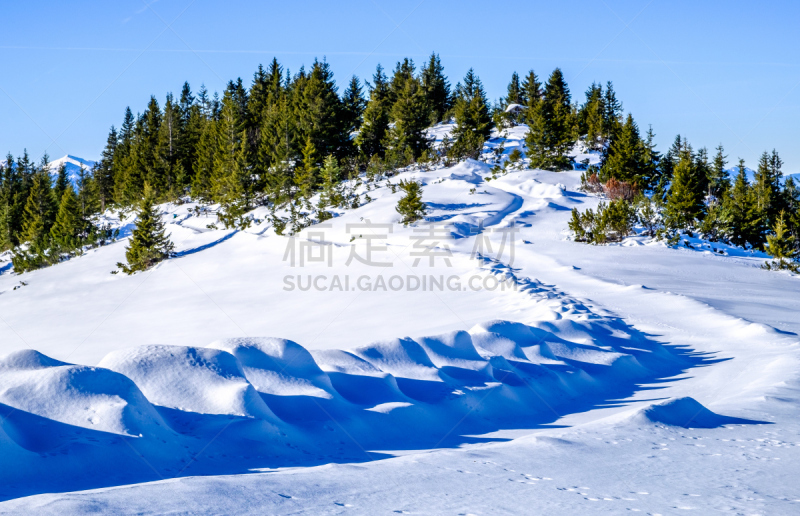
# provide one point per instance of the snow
(631, 377)
(73, 164)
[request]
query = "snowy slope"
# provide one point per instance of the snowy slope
(603, 379)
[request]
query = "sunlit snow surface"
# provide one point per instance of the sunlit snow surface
(630, 377)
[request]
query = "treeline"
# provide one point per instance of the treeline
(43, 221)
(689, 192)
(271, 143)
(286, 137)
(278, 141)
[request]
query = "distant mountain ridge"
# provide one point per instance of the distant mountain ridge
(73, 164)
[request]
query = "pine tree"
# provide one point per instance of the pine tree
(404, 71)
(88, 199)
(718, 181)
(306, 178)
(149, 168)
(551, 126)
(6, 235)
(436, 89)
(192, 120)
(149, 243)
(767, 188)
(67, 227)
(167, 157)
(229, 174)
(514, 93)
(259, 96)
(319, 112)
(410, 206)
(671, 158)
(531, 90)
(39, 208)
(62, 182)
(791, 199)
(612, 116)
(122, 156)
(626, 159)
(592, 118)
(14, 197)
(203, 166)
(782, 247)
(740, 202)
(704, 170)
(353, 105)
(651, 160)
(104, 173)
(473, 121)
(411, 117)
(330, 194)
(371, 137)
(685, 199)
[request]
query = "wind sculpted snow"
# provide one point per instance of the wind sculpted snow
(262, 402)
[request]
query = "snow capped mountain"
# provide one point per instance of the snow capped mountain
(73, 164)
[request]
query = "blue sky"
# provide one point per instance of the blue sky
(715, 71)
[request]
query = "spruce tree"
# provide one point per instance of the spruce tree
(62, 182)
(782, 247)
(626, 159)
(767, 188)
(353, 104)
(307, 176)
(371, 137)
(104, 173)
(613, 112)
(192, 121)
(148, 166)
(203, 166)
(473, 120)
(6, 235)
(704, 170)
(229, 177)
(39, 211)
(122, 157)
(319, 112)
(67, 227)
(330, 195)
(551, 126)
(514, 93)
(14, 197)
(592, 118)
(404, 71)
(740, 202)
(149, 243)
(685, 199)
(411, 118)
(436, 89)
(410, 206)
(167, 158)
(531, 90)
(88, 199)
(718, 181)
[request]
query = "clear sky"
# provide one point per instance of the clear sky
(715, 71)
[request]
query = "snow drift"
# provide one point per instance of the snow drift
(255, 402)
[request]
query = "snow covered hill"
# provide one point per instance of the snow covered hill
(368, 367)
